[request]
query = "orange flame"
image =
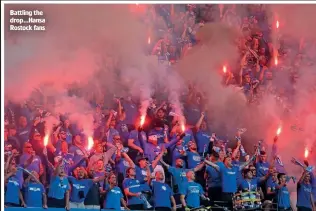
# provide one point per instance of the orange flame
(142, 120)
(224, 69)
(276, 61)
(90, 142)
(306, 153)
(148, 41)
(277, 24)
(46, 140)
(279, 131)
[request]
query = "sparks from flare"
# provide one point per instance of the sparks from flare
(90, 142)
(46, 140)
(306, 153)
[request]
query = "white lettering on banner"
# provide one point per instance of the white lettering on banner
(231, 172)
(163, 188)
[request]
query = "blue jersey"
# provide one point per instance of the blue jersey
(161, 194)
(113, 198)
(133, 186)
(192, 192)
(33, 194)
(304, 192)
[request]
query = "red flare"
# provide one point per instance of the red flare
(183, 127)
(276, 61)
(148, 40)
(90, 142)
(277, 24)
(306, 153)
(224, 69)
(142, 120)
(46, 140)
(279, 131)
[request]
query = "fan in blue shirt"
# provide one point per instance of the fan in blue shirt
(304, 193)
(80, 186)
(162, 193)
(58, 194)
(133, 190)
(34, 192)
(229, 176)
(193, 157)
(203, 137)
(262, 166)
(114, 196)
(191, 192)
(13, 184)
(179, 172)
(251, 183)
(283, 195)
(271, 186)
(158, 134)
(78, 150)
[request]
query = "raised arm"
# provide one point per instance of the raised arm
(242, 166)
(158, 158)
(199, 167)
(216, 167)
(164, 163)
(199, 122)
(128, 159)
(109, 153)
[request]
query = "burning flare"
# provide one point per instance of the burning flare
(142, 120)
(279, 131)
(306, 153)
(224, 69)
(46, 140)
(148, 40)
(276, 61)
(183, 128)
(277, 24)
(90, 142)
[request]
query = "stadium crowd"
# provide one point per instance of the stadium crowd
(161, 161)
